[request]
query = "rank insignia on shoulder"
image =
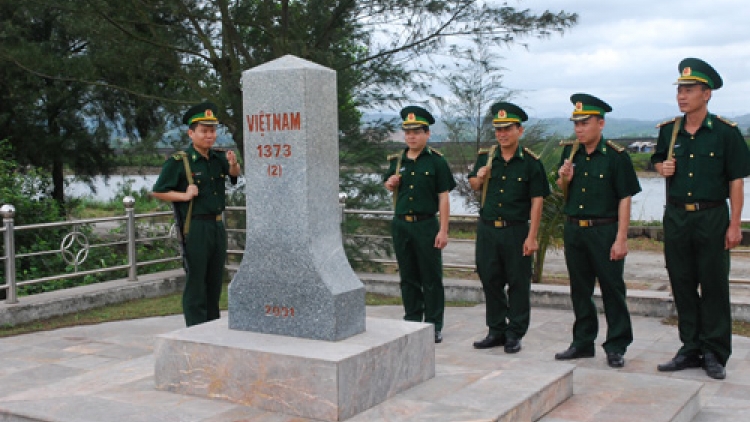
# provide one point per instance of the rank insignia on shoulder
(666, 122)
(615, 146)
(178, 155)
(483, 151)
(530, 153)
(727, 121)
(436, 151)
(565, 143)
(393, 156)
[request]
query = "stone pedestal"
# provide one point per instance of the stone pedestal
(324, 380)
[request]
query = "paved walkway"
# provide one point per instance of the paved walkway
(105, 373)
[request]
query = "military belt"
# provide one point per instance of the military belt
(591, 222)
(208, 217)
(697, 206)
(413, 218)
(499, 223)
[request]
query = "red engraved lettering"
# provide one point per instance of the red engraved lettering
(296, 121)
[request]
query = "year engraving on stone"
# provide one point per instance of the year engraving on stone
(279, 311)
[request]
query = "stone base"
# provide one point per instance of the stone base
(317, 379)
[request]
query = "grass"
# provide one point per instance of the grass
(154, 307)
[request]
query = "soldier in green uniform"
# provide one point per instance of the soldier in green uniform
(420, 180)
(198, 194)
(513, 184)
(704, 159)
(599, 181)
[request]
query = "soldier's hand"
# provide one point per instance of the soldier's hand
(530, 246)
(231, 157)
(482, 173)
(441, 240)
(566, 171)
(619, 250)
(668, 167)
(191, 192)
(733, 237)
(392, 182)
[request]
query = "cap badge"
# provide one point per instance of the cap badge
(579, 106)
(209, 113)
(502, 114)
(411, 117)
(687, 71)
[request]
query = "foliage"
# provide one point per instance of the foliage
(551, 228)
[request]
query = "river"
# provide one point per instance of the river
(648, 205)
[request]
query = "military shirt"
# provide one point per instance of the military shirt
(512, 184)
(210, 175)
(600, 180)
(706, 161)
(422, 180)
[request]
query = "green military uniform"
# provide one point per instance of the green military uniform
(696, 219)
(601, 180)
(206, 242)
(414, 228)
(504, 226)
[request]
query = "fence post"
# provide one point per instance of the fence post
(129, 203)
(8, 212)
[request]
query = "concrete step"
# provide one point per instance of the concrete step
(486, 388)
(625, 397)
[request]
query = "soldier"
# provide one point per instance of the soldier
(420, 180)
(195, 181)
(598, 180)
(513, 184)
(704, 159)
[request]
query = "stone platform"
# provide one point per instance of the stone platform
(325, 380)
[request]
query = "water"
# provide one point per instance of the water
(648, 205)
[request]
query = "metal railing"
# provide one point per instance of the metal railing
(75, 245)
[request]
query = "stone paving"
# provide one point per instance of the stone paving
(105, 373)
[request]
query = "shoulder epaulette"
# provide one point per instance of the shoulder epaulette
(530, 153)
(615, 146)
(729, 122)
(666, 122)
(483, 151)
(565, 143)
(393, 156)
(436, 151)
(179, 155)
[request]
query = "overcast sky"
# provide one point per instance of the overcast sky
(626, 52)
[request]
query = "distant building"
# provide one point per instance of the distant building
(641, 146)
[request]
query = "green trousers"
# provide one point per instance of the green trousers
(420, 266)
(587, 258)
(500, 263)
(698, 267)
(205, 256)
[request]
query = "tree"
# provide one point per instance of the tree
(138, 60)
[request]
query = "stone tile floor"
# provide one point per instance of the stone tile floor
(105, 373)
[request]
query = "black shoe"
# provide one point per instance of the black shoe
(713, 368)
(512, 345)
(490, 341)
(574, 353)
(615, 360)
(680, 362)
(438, 337)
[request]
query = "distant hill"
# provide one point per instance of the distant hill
(562, 126)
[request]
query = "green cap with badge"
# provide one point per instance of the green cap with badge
(415, 117)
(505, 114)
(587, 106)
(695, 71)
(203, 113)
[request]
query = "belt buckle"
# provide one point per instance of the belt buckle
(584, 223)
(691, 207)
(499, 223)
(410, 218)
(218, 217)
